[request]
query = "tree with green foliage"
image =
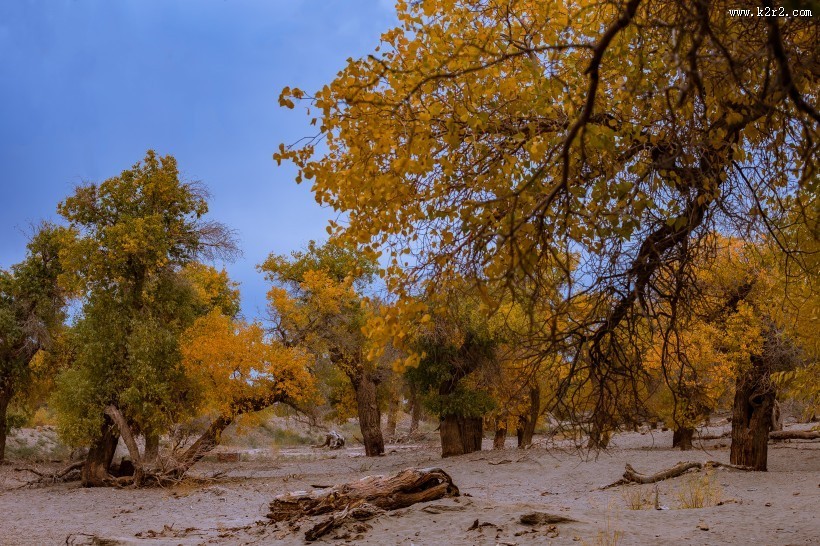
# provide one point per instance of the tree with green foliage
(31, 314)
(133, 236)
(457, 345)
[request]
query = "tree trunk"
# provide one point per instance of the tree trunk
(98, 461)
(369, 415)
(599, 434)
(460, 435)
(415, 411)
(500, 438)
(151, 454)
(203, 445)
(527, 423)
(392, 414)
(752, 415)
(777, 417)
(682, 438)
(5, 398)
(114, 413)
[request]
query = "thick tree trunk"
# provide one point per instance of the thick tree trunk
(460, 435)
(98, 461)
(5, 398)
(369, 415)
(500, 438)
(752, 416)
(682, 438)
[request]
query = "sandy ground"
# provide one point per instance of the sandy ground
(781, 506)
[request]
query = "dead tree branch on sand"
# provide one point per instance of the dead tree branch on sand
(794, 435)
(363, 499)
(71, 472)
(631, 476)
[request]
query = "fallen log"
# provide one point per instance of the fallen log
(680, 468)
(795, 435)
(358, 511)
(362, 499)
(632, 476)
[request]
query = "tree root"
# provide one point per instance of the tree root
(362, 500)
(67, 474)
(631, 476)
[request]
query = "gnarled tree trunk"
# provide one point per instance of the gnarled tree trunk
(460, 435)
(370, 418)
(752, 415)
(95, 470)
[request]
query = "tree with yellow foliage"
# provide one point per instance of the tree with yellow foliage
(494, 139)
(234, 369)
(316, 302)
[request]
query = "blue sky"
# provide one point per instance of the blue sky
(87, 86)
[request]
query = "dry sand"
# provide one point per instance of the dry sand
(781, 506)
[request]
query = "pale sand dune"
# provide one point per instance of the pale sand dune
(781, 506)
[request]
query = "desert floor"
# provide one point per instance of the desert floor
(781, 506)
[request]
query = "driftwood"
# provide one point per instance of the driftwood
(631, 476)
(357, 511)
(795, 435)
(542, 518)
(362, 499)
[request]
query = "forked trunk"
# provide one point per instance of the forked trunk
(460, 435)
(752, 416)
(95, 470)
(5, 398)
(370, 418)
(682, 438)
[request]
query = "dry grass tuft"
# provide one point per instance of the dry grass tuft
(699, 491)
(637, 498)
